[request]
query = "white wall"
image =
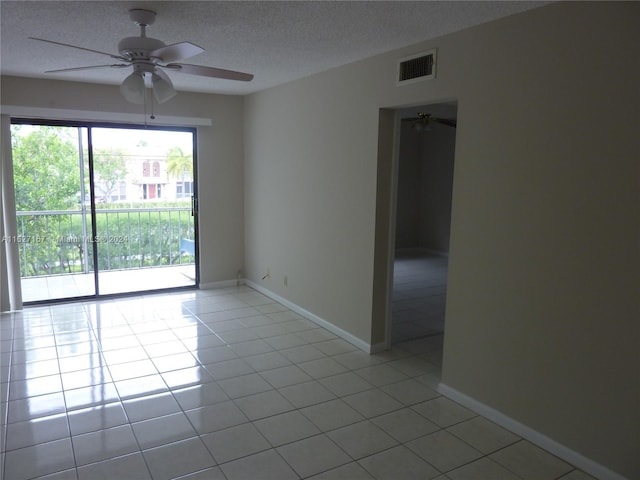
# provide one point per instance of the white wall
(308, 199)
(409, 190)
(220, 151)
(542, 313)
(425, 184)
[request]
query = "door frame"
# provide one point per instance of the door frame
(389, 129)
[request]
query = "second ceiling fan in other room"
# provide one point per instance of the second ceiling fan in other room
(422, 123)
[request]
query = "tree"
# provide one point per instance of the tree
(46, 177)
(110, 171)
(179, 165)
(45, 167)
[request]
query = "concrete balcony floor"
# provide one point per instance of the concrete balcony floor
(110, 282)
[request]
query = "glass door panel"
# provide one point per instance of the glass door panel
(145, 232)
(52, 211)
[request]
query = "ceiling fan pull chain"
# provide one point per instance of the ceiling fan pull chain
(152, 117)
(145, 106)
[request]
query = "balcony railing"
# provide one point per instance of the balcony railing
(58, 242)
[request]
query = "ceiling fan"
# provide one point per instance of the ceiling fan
(422, 122)
(149, 58)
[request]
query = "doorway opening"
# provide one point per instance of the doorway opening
(426, 154)
(417, 158)
(103, 209)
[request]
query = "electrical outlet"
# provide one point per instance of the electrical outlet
(286, 281)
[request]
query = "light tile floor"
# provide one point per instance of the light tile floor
(419, 295)
(226, 384)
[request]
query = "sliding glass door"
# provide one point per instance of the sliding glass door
(51, 182)
(103, 209)
(143, 181)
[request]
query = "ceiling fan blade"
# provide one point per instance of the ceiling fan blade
(117, 65)
(79, 48)
(445, 121)
(177, 51)
(210, 72)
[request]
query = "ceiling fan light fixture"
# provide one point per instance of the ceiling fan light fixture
(132, 89)
(421, 124)
(162, 87)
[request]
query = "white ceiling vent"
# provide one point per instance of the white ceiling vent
(418, 67)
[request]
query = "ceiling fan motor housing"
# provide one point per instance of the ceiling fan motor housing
(139, 48)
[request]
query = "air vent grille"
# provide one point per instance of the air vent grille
(417, 67)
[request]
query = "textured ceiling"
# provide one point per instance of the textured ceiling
(276, 41)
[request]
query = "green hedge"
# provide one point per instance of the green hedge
(132, 238)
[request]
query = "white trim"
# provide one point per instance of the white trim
(393, 200)
(112, 117)
(589, 466)
(220, 284)
(361, 344)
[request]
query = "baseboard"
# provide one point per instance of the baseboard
(378, 347)
(352, 339)
(571, 456)
(221, 284)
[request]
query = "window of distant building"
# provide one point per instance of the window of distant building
(184, 189)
